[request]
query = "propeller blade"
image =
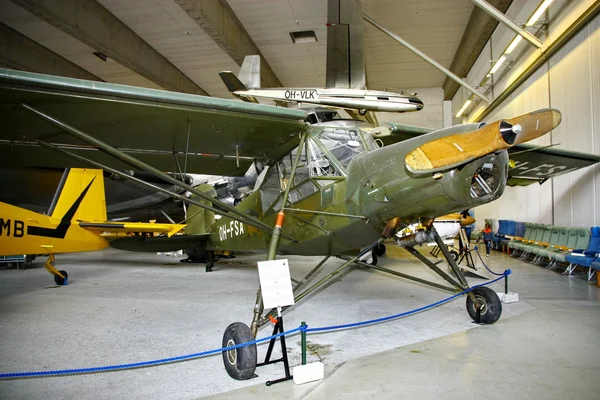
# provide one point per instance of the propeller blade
(454, 150)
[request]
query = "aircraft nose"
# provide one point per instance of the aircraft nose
(416, 101)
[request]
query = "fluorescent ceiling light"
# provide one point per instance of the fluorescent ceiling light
(463, 108)
(513, 44)
(497, 65)
(303, 36)
(538, 13)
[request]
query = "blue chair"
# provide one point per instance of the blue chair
(511, 230)
(586, 257)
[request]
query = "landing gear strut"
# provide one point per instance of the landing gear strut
(60, 277)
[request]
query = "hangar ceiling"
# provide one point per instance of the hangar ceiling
(183, 44)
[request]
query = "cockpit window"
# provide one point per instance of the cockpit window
(328, 116)
(312, 118)
(345, 144)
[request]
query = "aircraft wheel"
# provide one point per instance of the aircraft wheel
(491, 306)
(373, 259)
(240, 363)
(209, 268)
(454, 255)
(379, 250)
(61, 281)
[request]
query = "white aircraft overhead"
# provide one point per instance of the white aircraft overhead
(358, 99)
(345, 85)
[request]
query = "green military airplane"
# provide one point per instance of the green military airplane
(343, 195)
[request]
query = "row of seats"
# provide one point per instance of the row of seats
(550, 245)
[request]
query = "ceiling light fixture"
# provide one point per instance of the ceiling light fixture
(498, 64)
(538, 13)
(303, 36)
(463, 108)
(100, 55)
(513, 44)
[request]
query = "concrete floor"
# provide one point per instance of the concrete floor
(125, 307)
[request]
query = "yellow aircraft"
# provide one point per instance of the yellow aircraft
(76, 222)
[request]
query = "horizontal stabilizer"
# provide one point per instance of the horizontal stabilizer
(146, 227)
(232, 82)
(159, 244)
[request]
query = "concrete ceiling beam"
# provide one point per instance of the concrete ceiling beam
(478, 31)
(17, 51)
(219, 22)
(89, 22)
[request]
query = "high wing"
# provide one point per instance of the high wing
(536, 165)
(219, 137)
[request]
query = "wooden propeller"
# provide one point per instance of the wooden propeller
(454, 150)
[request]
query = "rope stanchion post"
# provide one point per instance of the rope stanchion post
(506, 284)
(303, 327)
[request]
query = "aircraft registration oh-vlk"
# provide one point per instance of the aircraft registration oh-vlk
(341, 200)
(363, 100)
(76, 221)
(346, 80)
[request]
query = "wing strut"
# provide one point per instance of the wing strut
(258, 305)
(234, 213)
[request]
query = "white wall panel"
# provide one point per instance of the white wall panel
(570, 82)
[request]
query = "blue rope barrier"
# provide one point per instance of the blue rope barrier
(256, 341)
(404, 314)
(143, 363)
(476, 248)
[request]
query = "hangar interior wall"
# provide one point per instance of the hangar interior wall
(570, 82)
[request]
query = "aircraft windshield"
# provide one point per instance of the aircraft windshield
(345, 144)
(322, 161)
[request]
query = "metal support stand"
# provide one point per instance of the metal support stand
(279, 329)
(466, 255)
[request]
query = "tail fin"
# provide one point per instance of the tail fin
(92, 204)
(248, 78)
(250, 72)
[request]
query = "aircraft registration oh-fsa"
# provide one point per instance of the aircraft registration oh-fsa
(342, 198)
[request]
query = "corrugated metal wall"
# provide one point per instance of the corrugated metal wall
(570, 82)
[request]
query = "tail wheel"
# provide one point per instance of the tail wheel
(379, 250)
(488, 303)
(454, 255)
(373, 259)
(240, 363)
(61, 281)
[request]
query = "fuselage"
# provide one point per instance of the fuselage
(27, 232)
(376, 187)
(360, 99)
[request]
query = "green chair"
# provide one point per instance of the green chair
(540, 246)
(530, 231)
(527, 246)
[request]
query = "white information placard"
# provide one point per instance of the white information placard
(275, 283)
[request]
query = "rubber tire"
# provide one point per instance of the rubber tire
(493, 306)
(374, 261)
(61, 281)
(244, 363)
(454, 254)
(379, 250)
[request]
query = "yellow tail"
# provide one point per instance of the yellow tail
(82, 186)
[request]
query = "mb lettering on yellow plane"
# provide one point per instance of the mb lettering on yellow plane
(76, 222)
